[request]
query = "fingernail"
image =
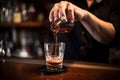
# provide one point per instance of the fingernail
(50, 20)
(55, 19)
(63, 18)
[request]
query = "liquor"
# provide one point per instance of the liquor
(54, 61)
(24, 13)
(61, 27)
(54, 64)
(55, 28)
(17, 15)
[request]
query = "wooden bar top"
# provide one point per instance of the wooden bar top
(26, 69)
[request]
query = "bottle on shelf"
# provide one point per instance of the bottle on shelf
(3, 10)
(17, 15)
(9, 12)
(31, 12)
(24, 12)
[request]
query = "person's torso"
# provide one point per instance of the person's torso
(80, 45)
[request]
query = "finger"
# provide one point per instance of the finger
(70, 12)
(53, 15)
(62, 9)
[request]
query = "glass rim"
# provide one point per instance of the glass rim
(54, 43)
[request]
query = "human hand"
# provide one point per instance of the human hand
(65, 10)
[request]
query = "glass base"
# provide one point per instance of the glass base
(45, 71)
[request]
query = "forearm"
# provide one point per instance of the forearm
(100, 30)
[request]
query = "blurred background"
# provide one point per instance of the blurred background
(24, 26)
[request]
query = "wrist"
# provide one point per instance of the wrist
(85, 16)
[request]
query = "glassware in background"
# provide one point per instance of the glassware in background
(24, 12)
(38, 50)
(54, 54)
(31, 12)
(2, 14)
(17, 15)
(24, 52)
(20, 11)
(9, 12)
(4, 49)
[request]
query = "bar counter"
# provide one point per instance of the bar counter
(26, 69)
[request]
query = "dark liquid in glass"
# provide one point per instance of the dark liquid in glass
(51, 62)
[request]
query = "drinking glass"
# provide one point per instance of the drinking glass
(54, 54)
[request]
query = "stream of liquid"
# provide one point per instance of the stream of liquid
(60, 27)
(55, 31)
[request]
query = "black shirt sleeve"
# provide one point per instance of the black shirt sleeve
(115, 20)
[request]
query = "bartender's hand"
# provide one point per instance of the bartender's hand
(102, 31)
(66, 10)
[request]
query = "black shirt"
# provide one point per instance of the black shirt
(80, 45)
